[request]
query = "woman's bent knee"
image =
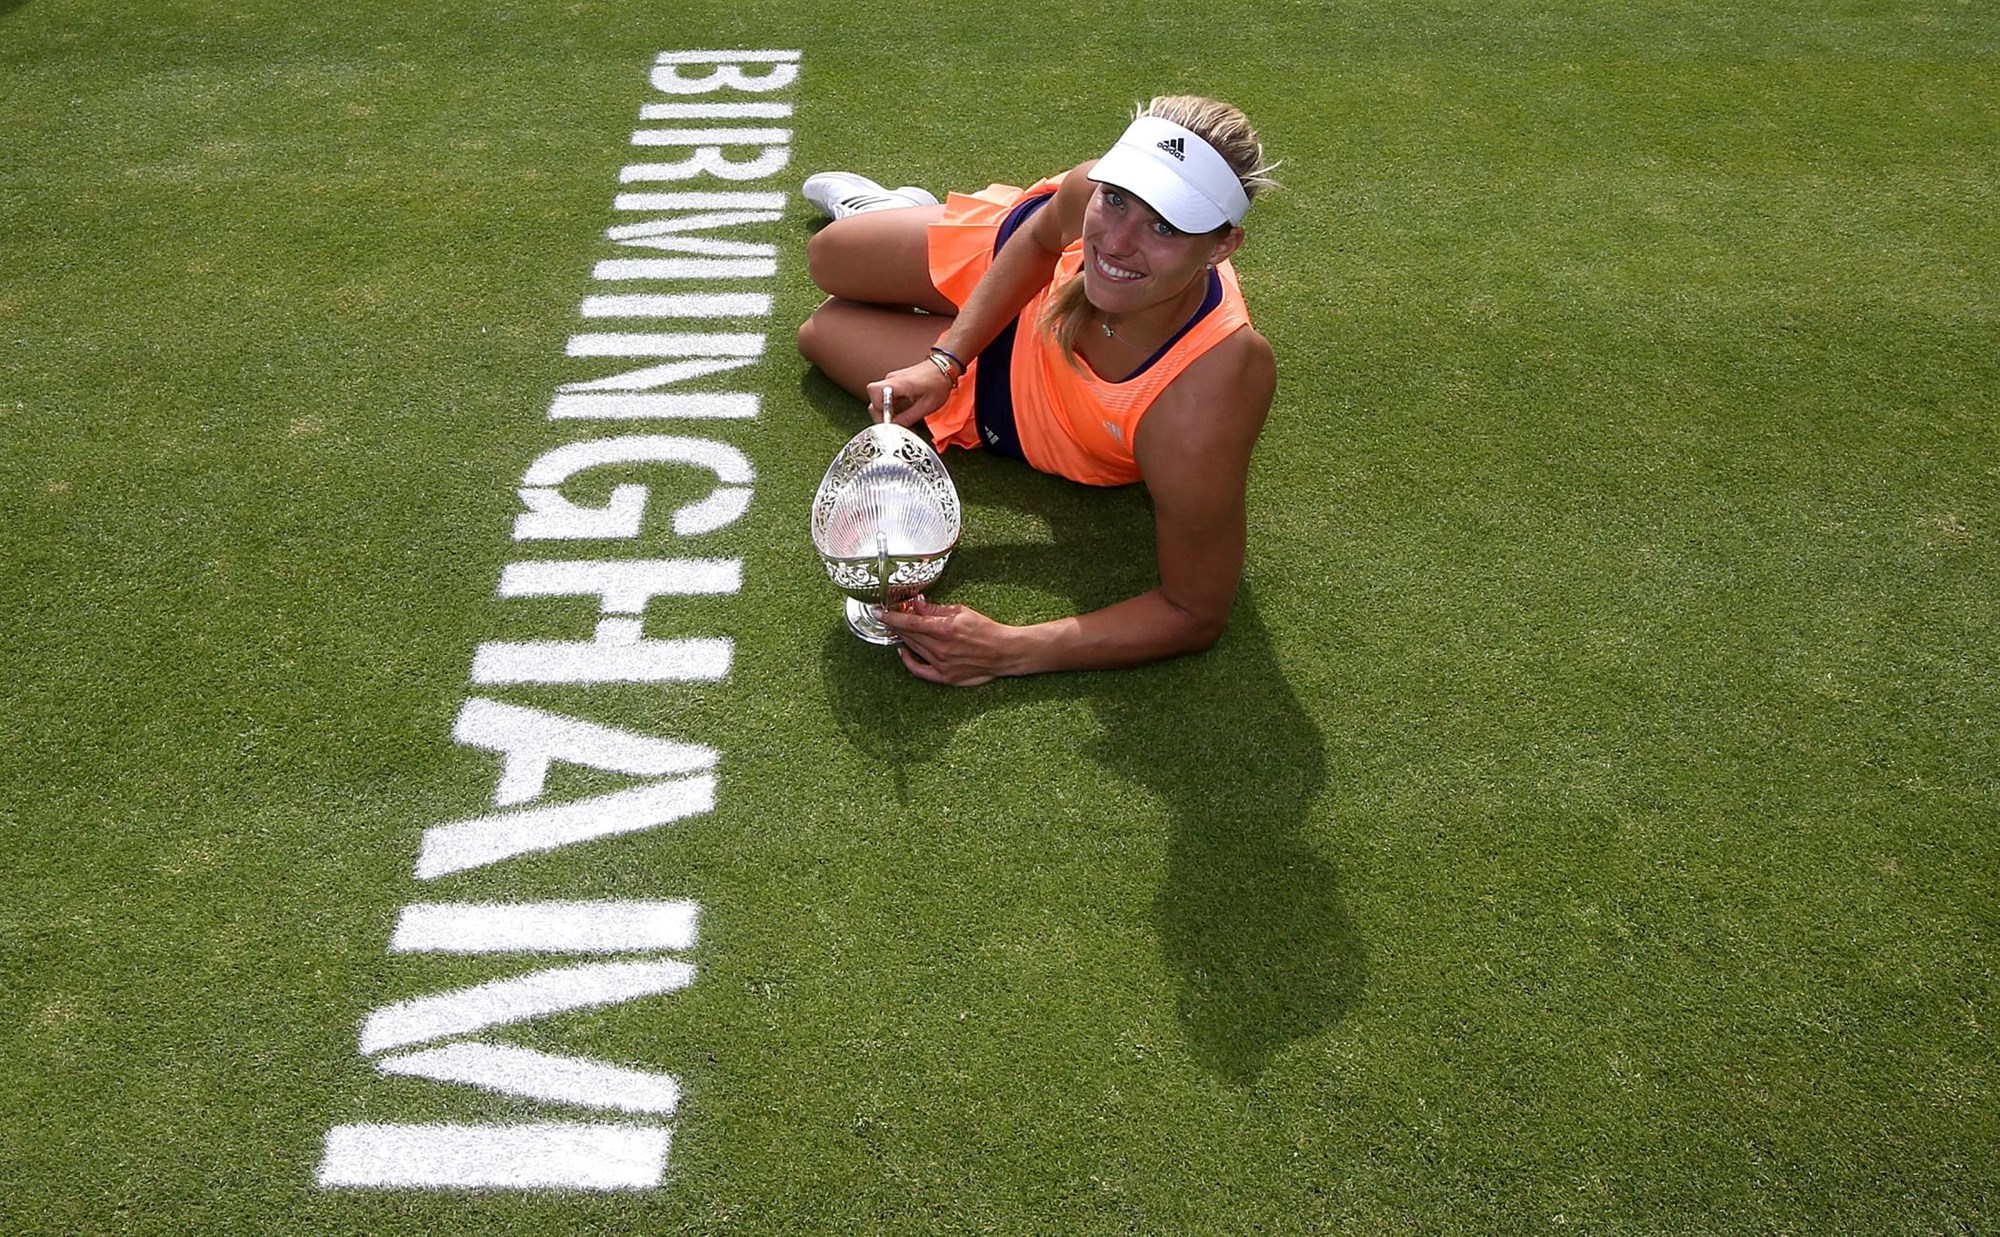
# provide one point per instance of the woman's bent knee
(840, 260)
(823, 259)
(809, 337)
(878, 258)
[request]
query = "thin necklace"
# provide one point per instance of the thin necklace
(1104, 324)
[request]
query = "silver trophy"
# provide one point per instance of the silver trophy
(885, 520)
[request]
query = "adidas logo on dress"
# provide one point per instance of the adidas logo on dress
(1177, 147)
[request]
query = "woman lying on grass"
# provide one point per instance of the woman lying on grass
(1090, 325)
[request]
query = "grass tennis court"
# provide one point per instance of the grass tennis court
(1587, 823)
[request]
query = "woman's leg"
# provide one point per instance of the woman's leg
(855, 344)
(881, 257)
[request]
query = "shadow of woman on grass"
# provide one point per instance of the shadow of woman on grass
(1249, 917)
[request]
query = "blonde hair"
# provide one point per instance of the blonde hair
(1225, 128)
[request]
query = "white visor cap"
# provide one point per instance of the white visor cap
(1176, 173)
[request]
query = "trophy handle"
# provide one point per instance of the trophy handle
(882, 538)
(882, 564)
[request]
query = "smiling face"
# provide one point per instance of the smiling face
(1134, 260)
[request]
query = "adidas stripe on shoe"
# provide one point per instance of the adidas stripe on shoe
(840, 194)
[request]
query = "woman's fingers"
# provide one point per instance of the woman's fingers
(941, 643)
(917, 622)
(918, 390)
(921, 668)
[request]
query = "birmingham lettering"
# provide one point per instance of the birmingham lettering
(687, 260)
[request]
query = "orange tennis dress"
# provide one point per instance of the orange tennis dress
(1029, 400)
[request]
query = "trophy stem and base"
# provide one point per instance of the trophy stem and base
(862, 622)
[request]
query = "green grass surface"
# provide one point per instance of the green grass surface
(1586, 825)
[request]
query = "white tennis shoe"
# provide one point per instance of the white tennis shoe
(840, 194)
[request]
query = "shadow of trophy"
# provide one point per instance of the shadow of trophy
(885, 520)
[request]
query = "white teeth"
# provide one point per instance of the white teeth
(1113, 272)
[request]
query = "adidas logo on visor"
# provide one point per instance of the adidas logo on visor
(1176, 147)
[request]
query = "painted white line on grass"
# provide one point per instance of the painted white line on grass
(623, 585)
(711, 137)
(650, 376)
(558, 465)
(702, 220)
(761, 201)
(612, 658)
(463, 844)
(524, 998)
(727, 74)
(547, 1156)
(723, 507)
(707, 160)
(507, 1070)
(715, 111)
(692, 56)
(552, 517)
(544, 927)
(666, 345)
(614, 269)
(678, 305)
(530, 740)
(669, 234)
(731, 405)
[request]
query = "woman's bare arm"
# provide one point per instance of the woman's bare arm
(1194, 450)
(1022, 268)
